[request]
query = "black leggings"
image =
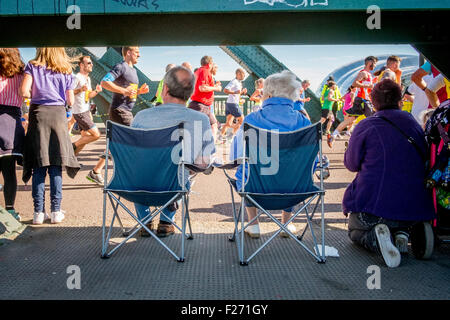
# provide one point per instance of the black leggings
(8, 169)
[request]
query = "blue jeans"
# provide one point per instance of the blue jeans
(38, 187)
(142, 212)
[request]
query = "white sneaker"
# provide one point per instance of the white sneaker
(390, 253)
(291, 228)
(401, 241)
(38, 217)
(253, 231)
(57, 216)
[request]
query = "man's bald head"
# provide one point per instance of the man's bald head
(180, 82)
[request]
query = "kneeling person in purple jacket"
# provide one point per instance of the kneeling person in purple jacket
(388, 194)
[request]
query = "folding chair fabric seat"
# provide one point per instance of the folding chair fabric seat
(291, 182)
(145, 172)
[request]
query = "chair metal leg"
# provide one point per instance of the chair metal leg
(125, 232)
(232, 238)
(241, 254)
(323, 228)
(308, 221)
(236, 218)
(191, 236)
(183, 228)
(104, 247)
(282, 227)
(312, 216)
(141, 226)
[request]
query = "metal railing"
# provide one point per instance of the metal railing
(219, 107)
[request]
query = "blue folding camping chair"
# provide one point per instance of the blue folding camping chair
(279, 167)
(149, 169)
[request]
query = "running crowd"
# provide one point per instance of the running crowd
(40, 101)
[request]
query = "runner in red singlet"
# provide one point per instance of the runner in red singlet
(364, 80)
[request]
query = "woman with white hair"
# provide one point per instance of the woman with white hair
(277, 112)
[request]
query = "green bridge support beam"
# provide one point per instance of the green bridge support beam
(259, 63)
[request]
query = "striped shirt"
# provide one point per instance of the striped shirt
(9, 91)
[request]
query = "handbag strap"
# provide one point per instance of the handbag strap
(409, 138)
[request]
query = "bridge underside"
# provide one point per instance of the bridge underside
(426, 30)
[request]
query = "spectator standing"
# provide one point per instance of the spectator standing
(12, 132)
(48, 81)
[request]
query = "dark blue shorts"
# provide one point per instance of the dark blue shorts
(233, 109)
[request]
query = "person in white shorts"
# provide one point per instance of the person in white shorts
(234, 90)
(81, 107)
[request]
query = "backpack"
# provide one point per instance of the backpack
(437, 137)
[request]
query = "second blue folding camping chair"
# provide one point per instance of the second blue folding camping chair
(149, 169)
(277, 173)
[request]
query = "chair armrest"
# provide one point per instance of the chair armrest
(196, 169)
(230, 165)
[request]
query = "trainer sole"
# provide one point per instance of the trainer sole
(95, 181)
(389, 251)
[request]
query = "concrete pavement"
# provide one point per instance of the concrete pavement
(35, 265)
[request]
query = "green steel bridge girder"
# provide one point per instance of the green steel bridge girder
(258, 62)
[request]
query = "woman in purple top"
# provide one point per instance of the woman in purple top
(48, 82)
(11, 130)
(388, 193)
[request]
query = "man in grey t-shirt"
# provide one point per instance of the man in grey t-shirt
(178, 86)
